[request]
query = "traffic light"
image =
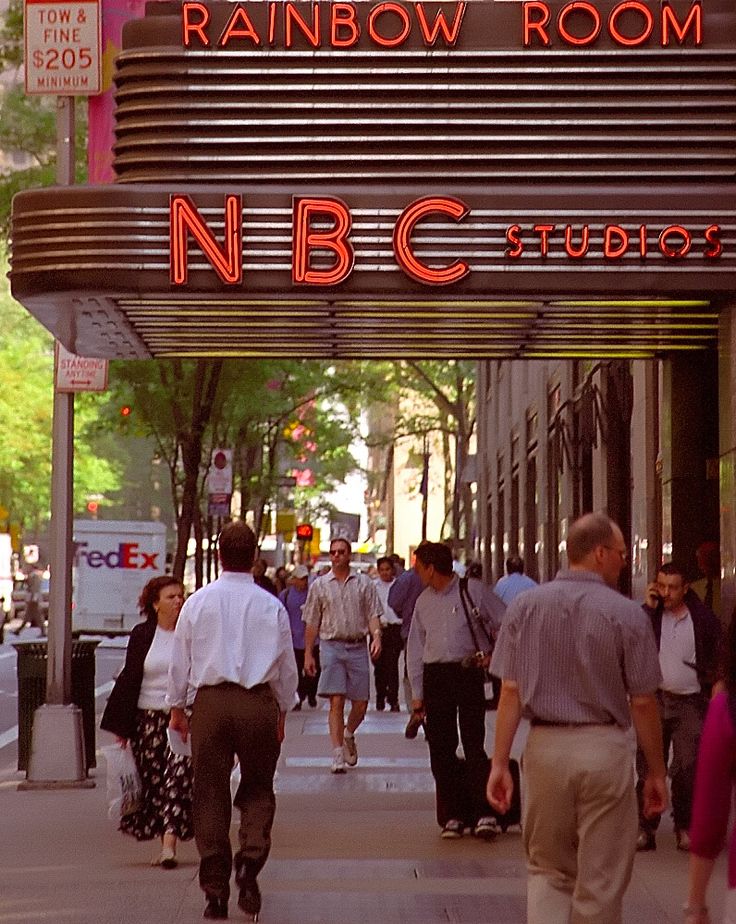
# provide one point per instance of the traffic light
(125, 410)
(304, 532)
(92, 508)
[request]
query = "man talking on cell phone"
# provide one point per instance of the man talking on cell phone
(688, 636)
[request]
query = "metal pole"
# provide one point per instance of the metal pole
(59, 670)
(57, 746)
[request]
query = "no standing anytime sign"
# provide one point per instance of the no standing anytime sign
(62, 41)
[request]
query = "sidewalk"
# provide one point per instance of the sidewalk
(356, 849)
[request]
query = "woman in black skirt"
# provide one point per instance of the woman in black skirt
(137, 713)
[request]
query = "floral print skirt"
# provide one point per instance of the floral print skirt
(166, 780)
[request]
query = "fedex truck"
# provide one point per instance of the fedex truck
(113, 560)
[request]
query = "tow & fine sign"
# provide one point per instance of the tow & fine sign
(62, 47)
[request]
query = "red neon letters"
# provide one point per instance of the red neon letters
(615, 242)
(444, 205)
(335, 25)
(323, 254)
(629, 24)
(184, 218)
(305, 239)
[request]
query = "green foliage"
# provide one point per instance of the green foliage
(26, 407)
(11, 36)
(28, 124)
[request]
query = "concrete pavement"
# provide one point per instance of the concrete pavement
(356, 849)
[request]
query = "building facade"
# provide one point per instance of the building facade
(637, 439)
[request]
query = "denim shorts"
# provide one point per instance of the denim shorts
(345, 670)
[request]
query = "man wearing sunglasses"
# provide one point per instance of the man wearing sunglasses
(342, 609)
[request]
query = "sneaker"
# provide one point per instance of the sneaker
(413, 725)
(683, 839)
(395, 707)
(338, 762)
(646, 841)
(487, 828)
(350, 750)
(380, 705)
(453, 830)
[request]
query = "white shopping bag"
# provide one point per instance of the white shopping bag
(123, 782)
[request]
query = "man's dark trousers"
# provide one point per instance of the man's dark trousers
(454, 695)
(227, 720)
(682, 723)
(386, 668)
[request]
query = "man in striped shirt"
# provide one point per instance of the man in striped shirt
(578, 660)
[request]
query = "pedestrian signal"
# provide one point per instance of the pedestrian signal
(304, 532)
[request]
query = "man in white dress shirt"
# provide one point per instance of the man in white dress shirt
(233, 661)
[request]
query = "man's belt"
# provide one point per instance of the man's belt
(544, 723)
(352, 640)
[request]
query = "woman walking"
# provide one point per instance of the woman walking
(137, 714)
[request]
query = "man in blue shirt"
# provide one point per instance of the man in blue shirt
(294, 598)
(515, 582)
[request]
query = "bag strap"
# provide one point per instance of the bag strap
(468, 608)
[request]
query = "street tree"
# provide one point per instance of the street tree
(26, 403)
(275, 414)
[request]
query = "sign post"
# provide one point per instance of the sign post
(62, 44)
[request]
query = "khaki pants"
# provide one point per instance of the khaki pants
(730, 909)
(580, 823)
(227, 720)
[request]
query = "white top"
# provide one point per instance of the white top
(156, 671)
(677, 645)
(389, 617)
(233, 631)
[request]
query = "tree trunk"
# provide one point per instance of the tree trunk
(198, 548)
(191, 454)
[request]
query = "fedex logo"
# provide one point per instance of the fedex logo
(127, 555)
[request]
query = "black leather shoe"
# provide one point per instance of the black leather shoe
(215, 909)
(646, 841)
(250, 897)
(246, 874)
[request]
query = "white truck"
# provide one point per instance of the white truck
(113, 560)
(6, 571)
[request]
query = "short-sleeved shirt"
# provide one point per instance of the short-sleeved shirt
(577, 649)
(342, 610)
(440, 633)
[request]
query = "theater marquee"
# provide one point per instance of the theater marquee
(366, 169)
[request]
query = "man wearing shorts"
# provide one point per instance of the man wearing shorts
(342, 608)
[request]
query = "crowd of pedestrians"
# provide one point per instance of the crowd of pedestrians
(574, 657)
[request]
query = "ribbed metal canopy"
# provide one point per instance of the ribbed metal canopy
(585, 137)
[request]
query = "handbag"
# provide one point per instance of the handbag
(474, 662)
(124, 790)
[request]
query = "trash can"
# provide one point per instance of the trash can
(32, 660)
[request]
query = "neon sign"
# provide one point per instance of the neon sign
(387, 25)
(321, 226)
(341, 25)
(537, 28)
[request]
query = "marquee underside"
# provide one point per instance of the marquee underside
(93, 265)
